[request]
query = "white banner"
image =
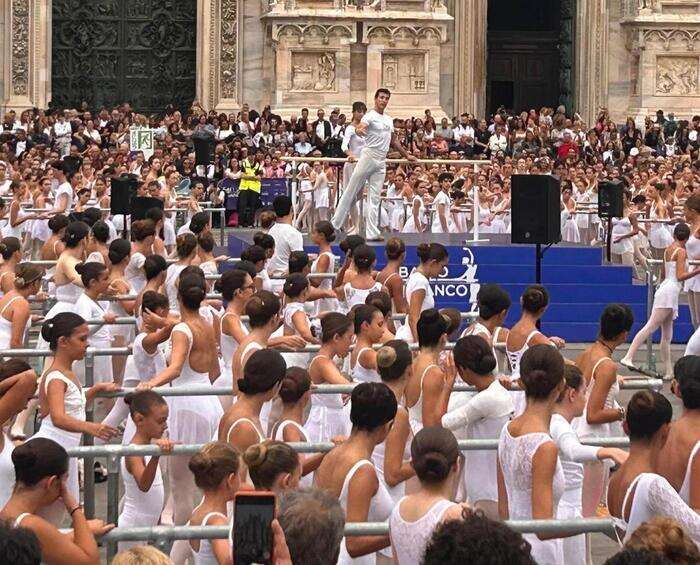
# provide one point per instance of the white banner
(142, 139)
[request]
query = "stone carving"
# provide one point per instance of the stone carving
(414, 33)
(313, 32)
(648, 6)
(676, 75)
(313, 71)
(404, 72)
(688, 37)
(20, 47)
(228, 66)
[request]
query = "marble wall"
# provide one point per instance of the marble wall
(4, 48)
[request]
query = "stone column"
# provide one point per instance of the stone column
(470, 56)
(590, 52)
(27, 54)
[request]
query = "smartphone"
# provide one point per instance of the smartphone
(252, 527)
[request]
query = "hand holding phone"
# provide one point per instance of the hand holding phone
(252, 533)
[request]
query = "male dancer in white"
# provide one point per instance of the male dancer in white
(378, 131)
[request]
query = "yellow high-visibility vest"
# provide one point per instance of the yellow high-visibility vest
(250, 169)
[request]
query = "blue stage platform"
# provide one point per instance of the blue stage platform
(578, 283)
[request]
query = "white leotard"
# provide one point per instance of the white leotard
(171, 277)
(612, 429)
(328, 416)
(6, 326)
(205, 555)
(228, 349)
(684, 492)
(415, 412)
(361, 374)
(307, 480)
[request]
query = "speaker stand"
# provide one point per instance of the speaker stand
(608, 242)
(539, 254)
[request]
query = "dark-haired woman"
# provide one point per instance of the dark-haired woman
(493, 303)
(323, 235)
(186, 248)
(637, 493)
(355, 291)
(119, 255)
(54, 246)
(193, 362)
(17, 386)
(11, 253)
(144, 493)
(390, 276)
(41, 466)
(419, 295)
(143, 235)
(482, 417)
(429, 389)
(61, 396)
(524, 334)
(15, 316)
(273, 466)
(347, 470)
(98, 247)
(692, 247)
(328, 416)
(435, 457)
(296, 320)
(665, 308)
(369, 329)
(530, 475)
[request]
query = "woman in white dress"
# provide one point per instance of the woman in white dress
(530, 475)
(11, 253)
(692, 248)
(143, 234)
(637, 493)
(193, 362)
(323, 235)
(441, 215)
(369, 330)
(144, 493)
(186, 248)
(363, 283)
(216, 469)
(296, 320)
(483, 416)
(624, 230)
(322, 191)
(569, 227)
(62, 398)
(347, 471)
(122, 335)
(419, 295)
(659, 236)
(435, 457)
(328, 415)
(665, 308)
(305, 196)
(417, 219)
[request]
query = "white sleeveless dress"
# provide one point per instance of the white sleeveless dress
(205, 555)
(307, 480)
(684, 492)
(515, 456)
(228, 348)
(666, 295)
(611, 429)
(354, 296)
(620, 227)
(7, 471)
(514, 358)
(692, 248)
(659, 236)
(361, 374)
(411, 538)
(171, 277)
(380, 508)
(416, 281)
(410, 225)
(325, 304)
(134, 272)
(328, 416)
(99, 337)
(415, 412)
(6, 327)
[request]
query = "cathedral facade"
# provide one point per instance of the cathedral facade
(450, 56)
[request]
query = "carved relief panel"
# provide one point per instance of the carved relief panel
(404, 73)
(313, 71)
(676, 75)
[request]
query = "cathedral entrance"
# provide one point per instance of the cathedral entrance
(529, 54)
(106, 52)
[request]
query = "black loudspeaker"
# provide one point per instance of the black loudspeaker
(610, 199)
(139, 207)
(535, 209)
(122, 190)
(203, 150)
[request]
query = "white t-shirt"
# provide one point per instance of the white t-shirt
(464, 131)
(380, 127)
(417, 281)
(287, 239)
(67, 189)
(441, 198)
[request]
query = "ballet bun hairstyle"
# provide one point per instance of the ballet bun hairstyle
(230, 282)
(371, 406)
(295, 285)
(261, 308)
(254, 254)
(473, 353)
(434, 452)
(90, 272)
(395, 248)
(334, 324)
(453, 317)
(26, 274)
(541, 371)
(296, 383)
(326, 229)
(363, 314)
(185, 245)
(199, 223)
(431, 327)
(298, 261)
(393, 359)
(154, 265)
(431, 252)
(119, 250)
(492, 300)
(142, 229)
(681, 232)
(267, 461)
(143, 401)
(573, 377)
(263, 370)
(191, 290)
(8, 247)
(213, 464)
(615, 320)
(205, 240)
(647, 412)
(153, 301)
(58, 223)
(100, 231)
(381, 300)
(364, 257)
(61, 325)
(686, 372)
(264, 240)
(75, 233)
(535, 298)
(37, 459)
(350, 243)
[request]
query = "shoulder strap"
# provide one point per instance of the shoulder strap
(424, 373)
(532, 334)
(356, 466)
(205, 520)
(693, 453)
(22, 516)
(630, 488)
(249, 421)
(597, 364)
(57, 375)
(8, 303)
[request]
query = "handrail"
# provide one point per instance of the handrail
(405, 161)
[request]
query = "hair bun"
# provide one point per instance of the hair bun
(243, 386)
(435, 464)
(386, 356)
(255, 455)
(80, 268)
(487, 364)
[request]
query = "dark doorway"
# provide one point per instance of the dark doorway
(106, 52)
(524, 58)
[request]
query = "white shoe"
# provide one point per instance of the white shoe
(627, 362)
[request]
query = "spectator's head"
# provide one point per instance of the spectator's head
(313, 522)
(638, 557)
(477, 540)
(686, 382)
(18, 546)
(282, 205)
(665, 536)
(141, 555)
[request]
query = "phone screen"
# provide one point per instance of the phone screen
(252, 529)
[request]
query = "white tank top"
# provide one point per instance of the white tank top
(7, 471)
(6, 326)
(685, 487)
(139, 504)
(205, 555)
(307, 480)
(415, 412)
(228, 343)
(361, 374)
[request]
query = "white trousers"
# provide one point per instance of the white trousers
(370, 169)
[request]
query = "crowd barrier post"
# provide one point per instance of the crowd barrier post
(113, 464)
(89, 463)
(651, 365)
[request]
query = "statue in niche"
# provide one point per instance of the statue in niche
(648, 6)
